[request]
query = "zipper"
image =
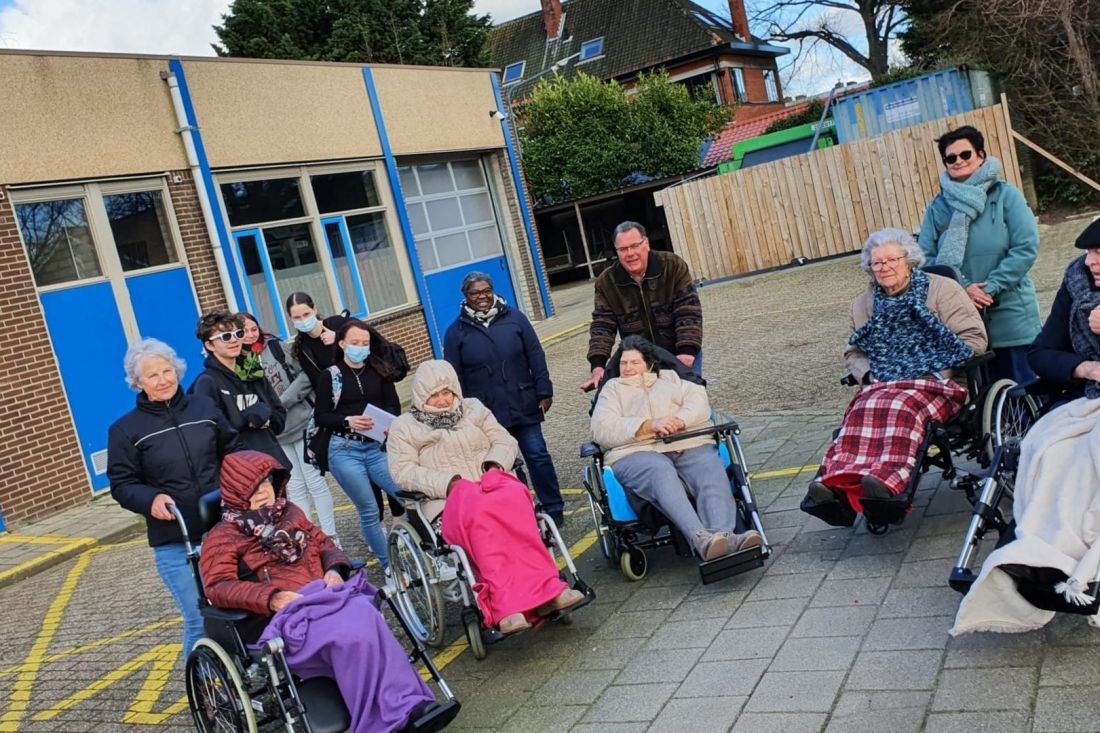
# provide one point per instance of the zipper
(646, 312)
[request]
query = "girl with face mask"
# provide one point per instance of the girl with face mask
(313, 340)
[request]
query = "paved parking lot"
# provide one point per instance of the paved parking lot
(841, 631)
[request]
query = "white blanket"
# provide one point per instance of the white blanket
(1057, 512)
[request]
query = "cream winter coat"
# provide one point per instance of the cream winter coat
(425, 459)
(627, 402)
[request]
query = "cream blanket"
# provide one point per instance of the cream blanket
(1057, 511)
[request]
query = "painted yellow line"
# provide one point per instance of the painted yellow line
(28, 671)
(41, 539)
(565, 332)
(98, 644)
(782, 472)
(23, 568)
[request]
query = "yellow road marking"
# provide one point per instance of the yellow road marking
(565, 332)
(41, 539)
(28, 671)
(45, 557)
(781, 472)
(98, 644)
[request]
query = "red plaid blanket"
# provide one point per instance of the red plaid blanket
(883, 428)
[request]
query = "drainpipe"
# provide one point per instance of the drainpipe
(187, 133)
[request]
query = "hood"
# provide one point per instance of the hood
(243, 471)
(430, 377)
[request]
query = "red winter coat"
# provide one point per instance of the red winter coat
(227, 554)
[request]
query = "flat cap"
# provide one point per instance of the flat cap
(1090, 238)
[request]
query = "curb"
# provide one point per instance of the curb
(562, 335)
(77, 546)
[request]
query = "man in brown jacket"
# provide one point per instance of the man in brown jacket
(649, 294)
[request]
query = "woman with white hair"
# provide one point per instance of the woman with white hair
(908, 329)
(166, 451)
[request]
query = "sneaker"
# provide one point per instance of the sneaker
(874, 488)
(513, 624)
(719, 546)
(565, 600)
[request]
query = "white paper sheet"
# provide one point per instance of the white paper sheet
(382, 422)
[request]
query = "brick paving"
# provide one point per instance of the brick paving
(840, 631)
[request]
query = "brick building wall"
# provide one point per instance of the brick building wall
(516, 219)
(409, 329)
(42, 471)
(196, 242)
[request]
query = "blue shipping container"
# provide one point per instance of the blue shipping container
(910, 102)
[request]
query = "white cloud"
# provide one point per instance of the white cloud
(503, 10)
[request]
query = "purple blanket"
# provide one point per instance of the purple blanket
(337, 632)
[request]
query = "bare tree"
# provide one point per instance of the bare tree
(810, 22)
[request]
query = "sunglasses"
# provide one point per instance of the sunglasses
(228, 337)
(964, 155)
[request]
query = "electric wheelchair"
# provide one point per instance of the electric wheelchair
(233, 686)
(428, 572)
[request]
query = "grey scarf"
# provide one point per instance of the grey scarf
(439, 419)
(1084, 300)
(487, 317)
(967, 200)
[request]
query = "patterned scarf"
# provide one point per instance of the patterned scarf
(263, 524)
(1079, 284)
(487, 317)
(905, 340)
(439, 419)
(967, 200)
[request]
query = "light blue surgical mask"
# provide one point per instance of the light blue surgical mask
(307, 325)
(357, 354)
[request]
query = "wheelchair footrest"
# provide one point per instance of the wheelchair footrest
(436, 717)
(886, 511)
(961, 579)
(735, 563)
(589, 596)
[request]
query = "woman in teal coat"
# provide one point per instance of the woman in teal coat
(982, 226)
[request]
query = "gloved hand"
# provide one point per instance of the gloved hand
(257, 415)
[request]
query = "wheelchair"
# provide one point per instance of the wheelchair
(428, 572)
(627, 526)
(233, 686)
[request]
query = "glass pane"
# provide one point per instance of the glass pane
(295, 264)
(477, 208)
(468, 174)
(139, 225)
(409, 186)
(485, 242)
(418, 220)
(443, 214)
(425, 250)
(452, 249)
(344, 191)
(59, 242)
(434, 178)
(335, 236)
(253, 202)
(247, 245)
(377, 259)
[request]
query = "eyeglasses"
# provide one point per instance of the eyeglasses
(964, 155)
(890, 263)
(631, 247)
(483, 293)
(228, 337)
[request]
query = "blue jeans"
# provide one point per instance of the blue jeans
(697, 367)
(355, 465)
(540, 466)
(175, 571)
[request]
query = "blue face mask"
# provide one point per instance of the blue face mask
(307, 325)
(357, 354)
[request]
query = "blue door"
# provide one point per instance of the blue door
(445, 288)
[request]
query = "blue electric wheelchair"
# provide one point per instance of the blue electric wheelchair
(235, 687)
(627, 526)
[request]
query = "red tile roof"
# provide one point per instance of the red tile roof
(722, 148)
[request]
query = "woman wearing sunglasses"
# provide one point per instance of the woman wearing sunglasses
(982, 226)
(242, 393)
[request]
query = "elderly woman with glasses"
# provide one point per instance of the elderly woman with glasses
(908, 329)
(982, 227)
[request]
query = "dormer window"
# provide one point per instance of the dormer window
(591, 49)
(514, 72)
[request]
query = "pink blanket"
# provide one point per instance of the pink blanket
(494, 522)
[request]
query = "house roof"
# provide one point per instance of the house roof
(721, 147)
(630, 43)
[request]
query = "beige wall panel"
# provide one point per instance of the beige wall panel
(261, 113)
(436, 110)
(67, 117)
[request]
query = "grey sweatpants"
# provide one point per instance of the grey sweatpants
(666, 480)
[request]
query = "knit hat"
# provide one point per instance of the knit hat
(1090, 238)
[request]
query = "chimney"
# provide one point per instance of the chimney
(740, 19)
(551, 18)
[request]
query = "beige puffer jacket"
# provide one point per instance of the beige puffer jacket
(627, 402)
(425, 459)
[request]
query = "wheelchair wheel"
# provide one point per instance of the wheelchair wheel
(1005, 418)
(471, 621)
(632, 563)
(218, 700)
(419, 597)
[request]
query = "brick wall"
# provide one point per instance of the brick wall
(196, 242)
(409, 329)
(516, 218)
(42, 471)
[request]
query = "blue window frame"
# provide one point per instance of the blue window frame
(592, 49)
(514, 72)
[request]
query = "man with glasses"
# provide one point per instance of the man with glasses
(649, 294)
(243, 394)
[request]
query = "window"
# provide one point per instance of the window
(769, 85)
(139, 225)
(253, 202)
(591, 49)
(59, 241)
(514, 72)
(295, 266)
(343, 191)
(737, 78)
(702, 86)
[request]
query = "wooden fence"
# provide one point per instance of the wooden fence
(822, 203)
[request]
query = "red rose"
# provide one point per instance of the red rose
(257, 347)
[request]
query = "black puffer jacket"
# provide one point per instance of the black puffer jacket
(175, 449)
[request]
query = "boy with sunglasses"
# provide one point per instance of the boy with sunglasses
(243, 395)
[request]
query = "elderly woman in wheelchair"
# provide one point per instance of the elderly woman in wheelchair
(451, 458)
(908, 330)
(265, 558)
(636, 421)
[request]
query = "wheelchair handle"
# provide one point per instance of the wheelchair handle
(182, 524)
(726, 427)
